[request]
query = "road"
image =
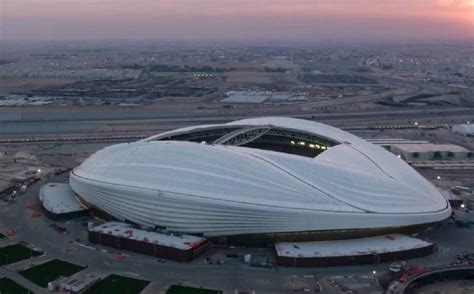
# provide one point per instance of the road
(400, 288)
(19, 279)
(136, 122)
(233, 274)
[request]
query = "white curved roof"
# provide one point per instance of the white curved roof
(59, 198)
(222, 189)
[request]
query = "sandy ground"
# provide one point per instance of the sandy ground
(16, 160)
(68, 155)
(252, 77)
(27, 84)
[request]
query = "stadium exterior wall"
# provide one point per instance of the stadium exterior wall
(227, 190)
(264, 240)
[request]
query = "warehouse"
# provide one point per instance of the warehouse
(464, 129)
(429, 151)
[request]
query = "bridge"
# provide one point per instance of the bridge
(399, 286)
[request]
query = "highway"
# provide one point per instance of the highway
(17, 116)
(136, 122)
(397, 287)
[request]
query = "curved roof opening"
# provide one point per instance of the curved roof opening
(259, 137)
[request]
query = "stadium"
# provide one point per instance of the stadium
(282, 178)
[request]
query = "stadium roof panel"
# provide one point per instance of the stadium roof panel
(59, 198)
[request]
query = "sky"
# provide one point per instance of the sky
(255, 20)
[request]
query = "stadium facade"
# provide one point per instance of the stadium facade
(265, 176)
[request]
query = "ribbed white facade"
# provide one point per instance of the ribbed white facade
(226, 190)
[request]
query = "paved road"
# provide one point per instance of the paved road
(58, 113)
(397, 287)
(120, 122)
(233, 274)
(12, 275)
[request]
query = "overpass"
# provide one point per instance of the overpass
(400, 286)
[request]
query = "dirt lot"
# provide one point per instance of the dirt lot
(252, 77)
(27, 84)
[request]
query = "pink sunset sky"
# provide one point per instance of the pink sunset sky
(308, 20)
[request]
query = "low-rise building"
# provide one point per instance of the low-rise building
(182, 248)
(463, 129)
(429, 151)
(378, 249)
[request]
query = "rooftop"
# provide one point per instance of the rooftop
(353, 247)
(466, 128)
(429, 147)
(247, 96)
(183, 242)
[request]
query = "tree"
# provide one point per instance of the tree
(437, 154)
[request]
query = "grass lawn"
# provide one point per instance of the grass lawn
(174, 289)
(44, 273)
(118, 285)
(8, 286)
(14, 253)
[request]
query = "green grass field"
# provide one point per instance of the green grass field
(44, 273)
(118, 285)
(14, 253)
(8, 286)
(174, 289)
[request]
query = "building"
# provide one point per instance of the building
(379, 249)
(280, 178)
(429, 151)
(463, 129)
(254, 97)
(182, 248)
(74, 284)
